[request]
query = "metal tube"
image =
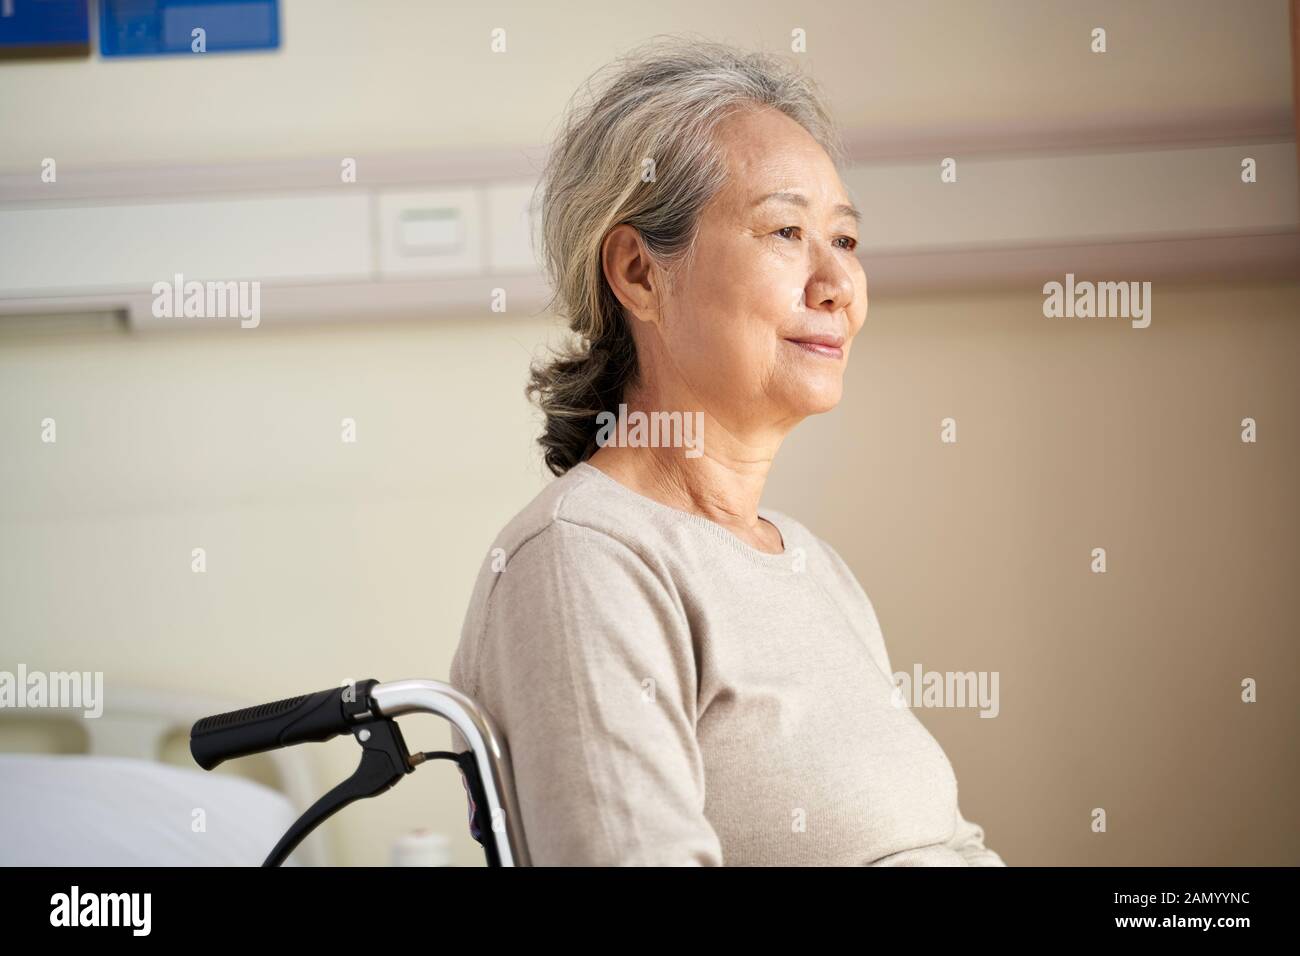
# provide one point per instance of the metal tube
(476, 726)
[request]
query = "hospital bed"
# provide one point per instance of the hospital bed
(120, 789)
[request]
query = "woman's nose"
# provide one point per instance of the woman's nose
(831, 286)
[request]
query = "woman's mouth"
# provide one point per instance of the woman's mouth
(829, 346)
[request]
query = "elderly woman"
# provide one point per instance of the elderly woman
(683, 676)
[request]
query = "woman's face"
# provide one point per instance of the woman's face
(759, 325)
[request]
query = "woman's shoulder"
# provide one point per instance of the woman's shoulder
(578, 506)
(576, 539)
(584, 504)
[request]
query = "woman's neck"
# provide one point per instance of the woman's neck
(725, 491)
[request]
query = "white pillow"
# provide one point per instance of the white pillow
(73, 810)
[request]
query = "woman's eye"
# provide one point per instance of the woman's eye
(849, 242)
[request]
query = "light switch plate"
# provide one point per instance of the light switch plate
(431, 232)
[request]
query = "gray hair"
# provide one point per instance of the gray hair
(659, 104)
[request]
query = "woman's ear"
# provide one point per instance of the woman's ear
(631, 273)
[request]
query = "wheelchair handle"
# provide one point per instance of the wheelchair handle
(312, 717)
(368, 711)
(487, 750)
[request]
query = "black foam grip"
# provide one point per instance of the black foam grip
(281, 723)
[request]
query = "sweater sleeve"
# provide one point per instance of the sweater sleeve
(586, 662)
(968, 841)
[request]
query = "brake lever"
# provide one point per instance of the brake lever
(384, 761)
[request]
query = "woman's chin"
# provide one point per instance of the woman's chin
(817, 398)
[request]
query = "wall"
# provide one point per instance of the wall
(354, 78)
(328, 561)
(1118, 690)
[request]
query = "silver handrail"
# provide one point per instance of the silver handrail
(477, 728)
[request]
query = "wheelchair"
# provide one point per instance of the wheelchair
(368, 710)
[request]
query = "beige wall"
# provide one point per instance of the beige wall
(1120, 690)
(354, 78)
(328, 561)
(325, 561)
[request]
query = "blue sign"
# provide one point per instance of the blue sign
(44, 28)
(190, 27)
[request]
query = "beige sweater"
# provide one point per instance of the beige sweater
(671, 695)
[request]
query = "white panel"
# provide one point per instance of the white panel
(1147, 204)
(430, 232)
(1054, 200)
(131, 246)
(439, 233)
(509, 228)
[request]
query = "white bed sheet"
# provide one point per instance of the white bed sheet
(74, 810)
